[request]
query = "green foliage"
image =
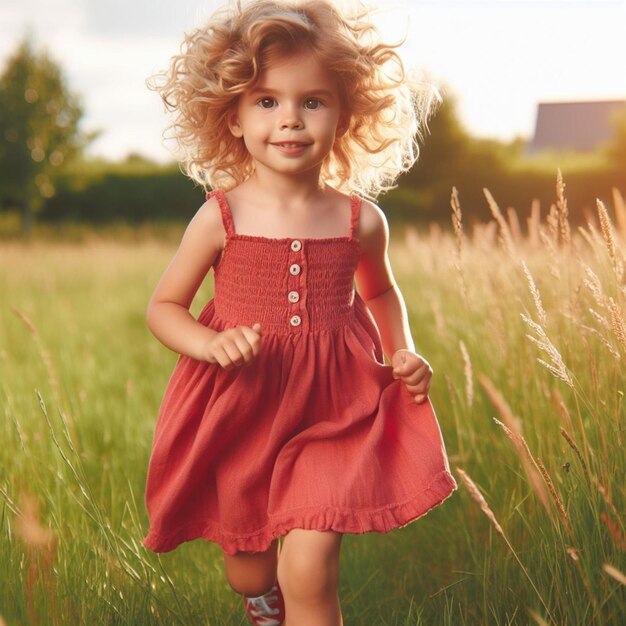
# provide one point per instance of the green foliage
(136, 191)
(446, 146)
(39, 127)
(451, 157)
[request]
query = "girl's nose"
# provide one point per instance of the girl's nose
(294, 123)
(291, 120)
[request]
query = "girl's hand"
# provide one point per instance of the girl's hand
(414, 371)
(234, 347)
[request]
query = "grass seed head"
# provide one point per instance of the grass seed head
(528, 461)
(576, 449)
(555, 496)
(478, 497)
(541, 312)
(613, 572)
(505, 232)
(617, 324)
(469, 376)
(562, 211)
(620, 212)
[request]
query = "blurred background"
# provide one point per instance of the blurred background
(528, 86)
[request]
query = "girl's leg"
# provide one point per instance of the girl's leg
(308, 573)
(252, 573)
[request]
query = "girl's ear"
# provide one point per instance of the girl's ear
(342, 125)
(234, 125)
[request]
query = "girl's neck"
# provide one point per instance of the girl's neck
(282, 189)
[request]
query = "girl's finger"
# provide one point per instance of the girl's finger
(418, 375)
(414, 378)
(409, 362)
(402, 371)
(233, 353)
(253, 338)
(222, 359)
(422, 388)
(245, 349)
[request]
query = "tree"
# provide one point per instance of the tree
(450, 156)
(39, 119)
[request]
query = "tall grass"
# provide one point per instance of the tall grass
(539, 347)
(524, 325)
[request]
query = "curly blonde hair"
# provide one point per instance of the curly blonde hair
(224, 58)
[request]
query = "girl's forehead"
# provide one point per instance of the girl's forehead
(297, 69)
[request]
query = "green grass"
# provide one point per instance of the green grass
(80, 384)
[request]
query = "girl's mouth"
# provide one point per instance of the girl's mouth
(291, 148)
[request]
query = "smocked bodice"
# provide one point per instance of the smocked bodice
(287, 285)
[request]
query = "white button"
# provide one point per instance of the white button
(295, 320)
(295, 269)
(296, 245)
(293, 296)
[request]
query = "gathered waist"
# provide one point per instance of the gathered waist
(295, 316)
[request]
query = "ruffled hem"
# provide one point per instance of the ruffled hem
(381, 520)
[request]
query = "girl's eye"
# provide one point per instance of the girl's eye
(266, 103)
(312, 104)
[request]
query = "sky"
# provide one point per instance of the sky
(497, 58)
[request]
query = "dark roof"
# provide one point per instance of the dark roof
(574, 125)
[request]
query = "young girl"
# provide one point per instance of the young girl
(281, 418)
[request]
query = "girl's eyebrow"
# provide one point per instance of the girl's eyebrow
(268, 90)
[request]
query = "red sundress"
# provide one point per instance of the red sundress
(314, 434)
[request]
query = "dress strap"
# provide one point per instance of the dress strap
(355, 209)
(227, 217)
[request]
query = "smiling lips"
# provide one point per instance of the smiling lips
(291, 147)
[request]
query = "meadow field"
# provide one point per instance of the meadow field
(525, 326)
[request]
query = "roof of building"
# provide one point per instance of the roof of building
(574, 125)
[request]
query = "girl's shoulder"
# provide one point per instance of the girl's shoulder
(372, 221)
(371, 218)
(208, 223)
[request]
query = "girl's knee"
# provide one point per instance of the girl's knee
(309, 572)
(304, 579)
(251, 574)
(250, 586)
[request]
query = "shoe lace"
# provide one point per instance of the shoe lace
(260, 608)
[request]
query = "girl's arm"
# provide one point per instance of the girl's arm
(168, 313)
(378, 288)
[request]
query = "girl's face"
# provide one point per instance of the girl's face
(290, 119)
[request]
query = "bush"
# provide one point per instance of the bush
(109, 193)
